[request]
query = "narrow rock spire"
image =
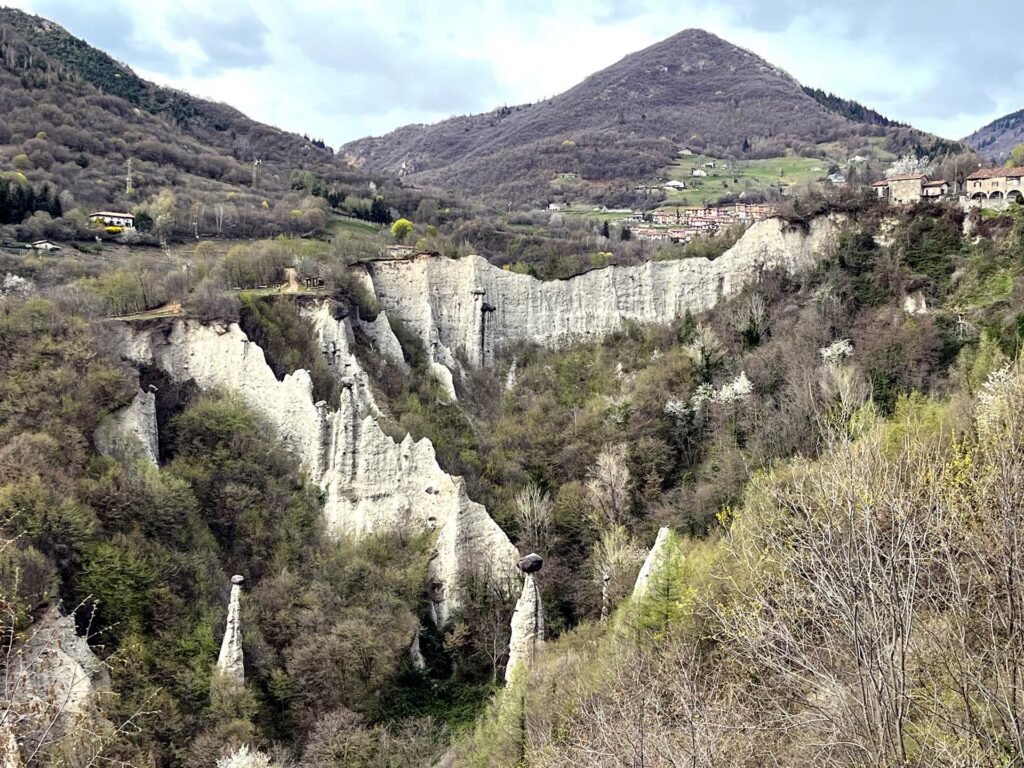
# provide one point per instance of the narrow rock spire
(644, 577)
(419, 663)
(230, 660)
(527, 621)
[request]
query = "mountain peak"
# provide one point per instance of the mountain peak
(692, 90)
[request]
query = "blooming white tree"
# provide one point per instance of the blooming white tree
(907, 164)
(243, 758)
(736, 390)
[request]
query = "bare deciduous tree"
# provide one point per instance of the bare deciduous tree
(615, 555)
(534, 510)
(608, 487)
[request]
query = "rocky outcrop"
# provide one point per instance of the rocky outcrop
(461, 309)
(129, 434)
(416, 658)
(230, 662)
(650, 562)
(54, 688)
(371, 483)
(915, 304)
(527, 629)
(470, 310)
(384, 340)
(374, 484)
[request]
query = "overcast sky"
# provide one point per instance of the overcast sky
(339, 70)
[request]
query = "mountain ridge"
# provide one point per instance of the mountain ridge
(210, 121)
(692, 90)
(995, 140)
(83, 132)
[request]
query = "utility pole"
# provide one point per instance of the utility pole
(256, 166)
(128, 179)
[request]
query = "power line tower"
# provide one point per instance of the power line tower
(257, 166)
(128, 179)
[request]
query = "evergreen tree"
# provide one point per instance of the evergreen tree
(664, 602)
(379, 211)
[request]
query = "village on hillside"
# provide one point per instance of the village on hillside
(906, 182)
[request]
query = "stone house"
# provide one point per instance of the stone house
(999, 185)
(911, 188)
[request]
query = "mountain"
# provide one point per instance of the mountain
(67, 58)
(693, 90)
(996, 139)
(74, 118)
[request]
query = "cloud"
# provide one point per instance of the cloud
(119, 40)
(235, 42)
(373, 66)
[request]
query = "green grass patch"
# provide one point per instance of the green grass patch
(345, 224)
(738, 176)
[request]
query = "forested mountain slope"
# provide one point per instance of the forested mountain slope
(995, 140)
(692, 90)
(77, 123)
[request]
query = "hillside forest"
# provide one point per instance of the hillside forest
(782, 531)
(730, 428)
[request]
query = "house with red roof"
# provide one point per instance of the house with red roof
(997, 186)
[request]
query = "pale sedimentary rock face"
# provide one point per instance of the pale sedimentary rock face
(527, 629)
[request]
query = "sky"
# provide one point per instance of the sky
(339, 70)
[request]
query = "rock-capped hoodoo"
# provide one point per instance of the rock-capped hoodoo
(230, 662)
(527, 621)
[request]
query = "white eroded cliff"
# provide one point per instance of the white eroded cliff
(651, 562)
(469, 309)
(371, 483)
(129, 434)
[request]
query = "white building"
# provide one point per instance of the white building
(113, 219)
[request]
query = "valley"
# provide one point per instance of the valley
(672, 419)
